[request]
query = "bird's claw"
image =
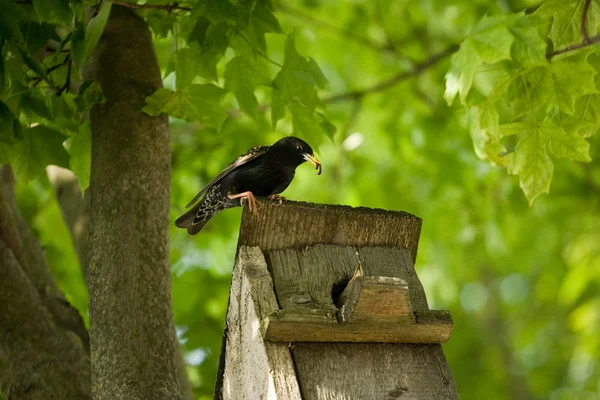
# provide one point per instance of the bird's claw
(253, 203)
(277, 197)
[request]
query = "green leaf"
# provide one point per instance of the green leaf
(531, 162)
(6, 123)
(566, 20)
(90, 93)
(37, 105)
(94, 29)
(34, 65)
(9, 22)
(37, 35)
(38, 148)
(2, 69)
(214, 11)
(554, 88)
(79, 147)
(262, 21)
(242, 75)
(56, 11)
(572, 77)
(199, 31)
(278, 101)
(529, 47)
(217, 38)
(317, 74)
(484, 127)
(491, 39)
(191, 61)
(78, 45)
(297, 81)
(571, 146)
(514, 128)
(200, 103)
(309, 124)
(459, 79)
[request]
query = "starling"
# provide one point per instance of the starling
(263, 171)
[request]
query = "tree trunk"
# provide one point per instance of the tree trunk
(134, 347)
(43, 342)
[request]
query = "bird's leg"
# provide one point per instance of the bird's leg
(253, 204)
(277, 197)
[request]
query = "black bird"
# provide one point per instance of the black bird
(263, 171)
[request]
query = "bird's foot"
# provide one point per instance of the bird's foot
(253, 204)
(277, 197)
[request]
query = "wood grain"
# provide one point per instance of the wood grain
(297, 224)
(323, 326)
(253, 366)
(375, 298)
(312, 251)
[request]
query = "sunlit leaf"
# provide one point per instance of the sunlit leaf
(38, 148)
(201, 103)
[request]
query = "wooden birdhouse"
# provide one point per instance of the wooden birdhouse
(325, 303)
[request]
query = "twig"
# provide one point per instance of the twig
(168, 7)
(258, 51)
(586, 40)
(38, 79)
(417, 69)
(67, 84)
(584, 31)
(592, 40)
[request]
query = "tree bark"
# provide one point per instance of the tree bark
(134, 347)
(43, 342)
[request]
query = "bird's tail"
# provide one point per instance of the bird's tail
(193, 220)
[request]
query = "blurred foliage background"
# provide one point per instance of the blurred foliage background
(522, 282)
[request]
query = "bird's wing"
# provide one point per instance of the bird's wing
(241, 160)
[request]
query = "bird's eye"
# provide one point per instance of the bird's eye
(299, 147)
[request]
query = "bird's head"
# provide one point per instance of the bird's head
(298, 151)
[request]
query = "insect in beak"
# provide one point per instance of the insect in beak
(314, 161)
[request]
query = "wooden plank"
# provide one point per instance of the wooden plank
(251, 365)
(313, 273)
(389, 261)
(298, 224)
(323, 326)
(356, 371)
(375, 298)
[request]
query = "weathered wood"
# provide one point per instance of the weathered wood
(323, 326)
(342, 371)
(375, 298)
(312, 274)
(297, 224)
(314, 271)
(307, 280)
(252, 366)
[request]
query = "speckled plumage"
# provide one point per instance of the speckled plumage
(263, 171)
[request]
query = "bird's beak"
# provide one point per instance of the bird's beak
(314, 161)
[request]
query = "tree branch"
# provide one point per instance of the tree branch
(584, 31)
(168, 7)
(585, 41)
(43, 342)
(417, 69)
